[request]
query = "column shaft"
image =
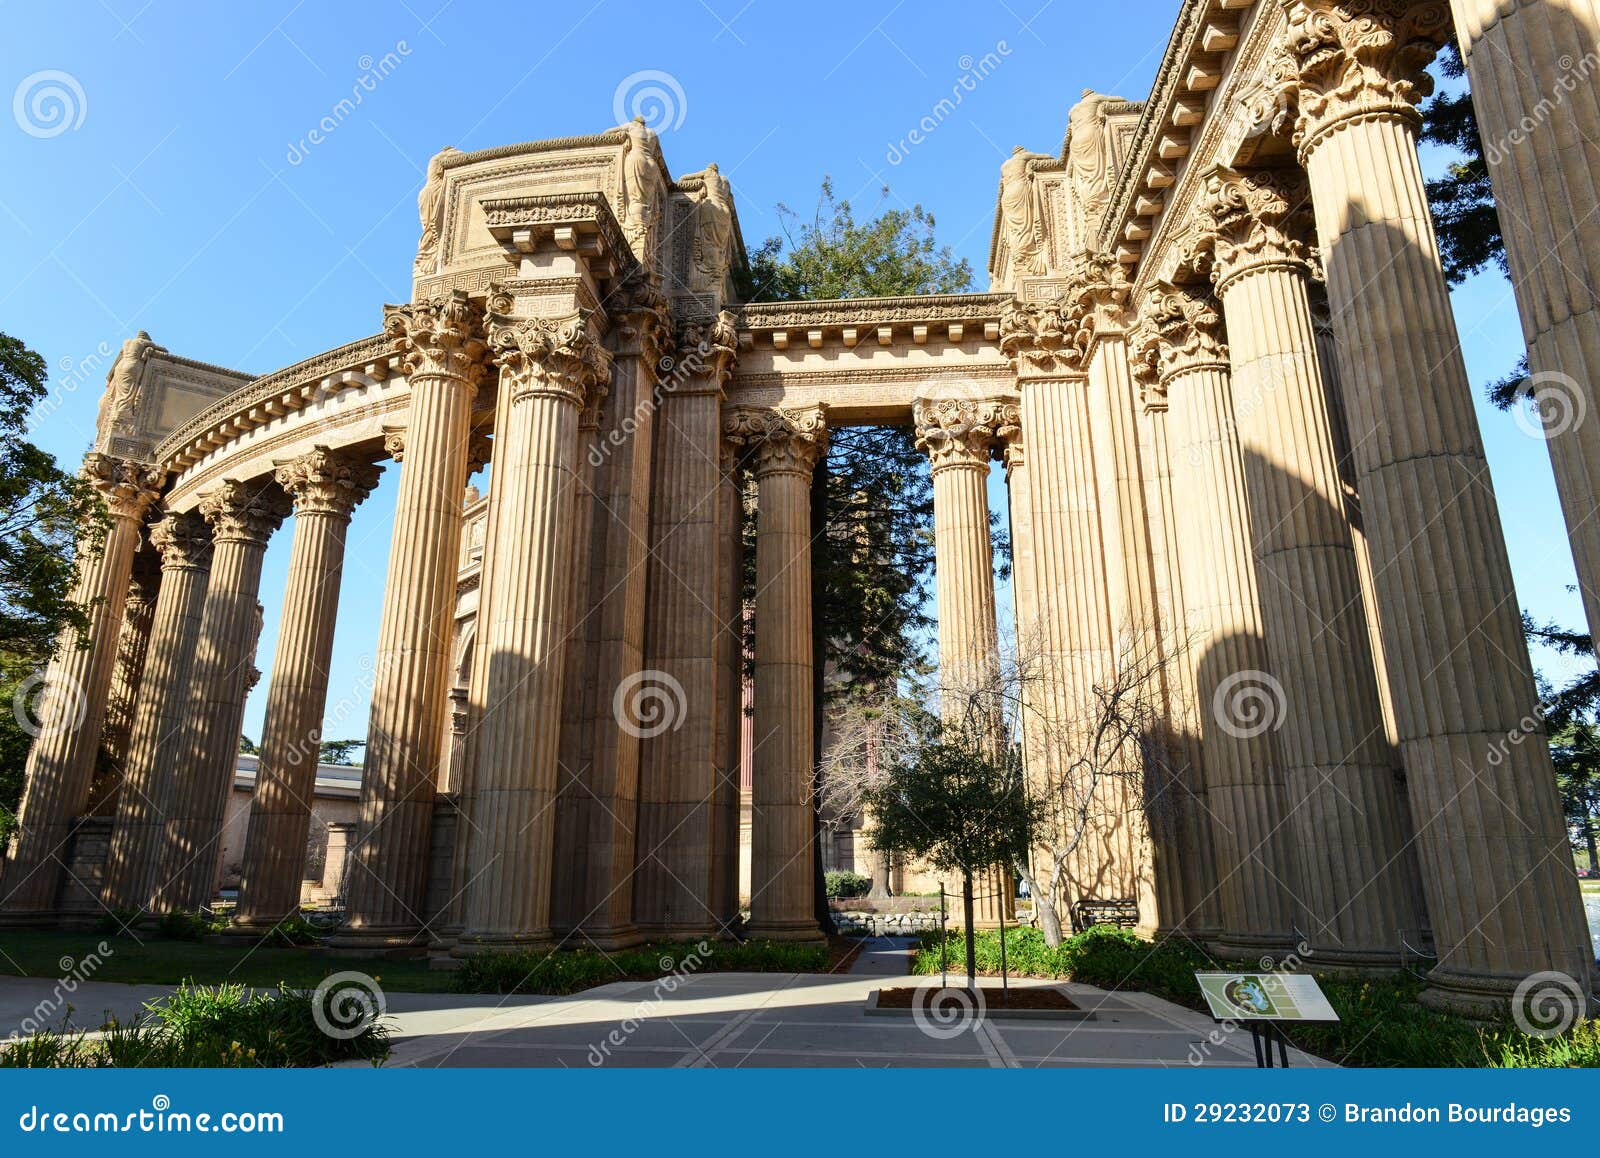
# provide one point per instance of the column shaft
(1226, 652)
(387, 872)
(1496, 867)
(243, 516)
(133, 646)
(1533, 66)
(785, 447)
(68, 708)
(1342, 794)
(325, 487)
(184, 541)
(548, 369)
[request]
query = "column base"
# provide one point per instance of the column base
(802, 931)
(609, 938)
(471, 945)
(1268, 947)
(30, 919)
(1484, 996)
(252, 927)
(665, 933)
(378, 942)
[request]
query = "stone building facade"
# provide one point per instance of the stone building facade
(1218, 360)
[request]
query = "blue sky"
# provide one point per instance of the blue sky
(187, 200)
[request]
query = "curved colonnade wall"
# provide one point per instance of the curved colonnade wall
(1237, 473)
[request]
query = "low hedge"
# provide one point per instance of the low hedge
(1380, 1021)
(569, 970)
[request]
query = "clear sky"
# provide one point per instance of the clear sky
(182, 195)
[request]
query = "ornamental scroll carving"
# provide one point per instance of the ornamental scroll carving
(1353, 58)
(779, 440)
(128, 487)
(956, 432)
(327, 482)
(442, 337)
(559, 357)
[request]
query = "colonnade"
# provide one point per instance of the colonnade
(1345, 705)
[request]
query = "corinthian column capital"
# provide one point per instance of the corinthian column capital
(1041, 339)
(780, 441)
(1180, 331)
(442, 338)
(1355, 59)
(245, 512)
(708, 350)
(128, 487)
(961, 432)
(641, 323)
(1256, 220)
(327, 482)
(553, 357)
(183, 541)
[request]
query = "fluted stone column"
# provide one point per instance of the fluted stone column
(1143, 840)
(1497, 871)
(729, 710)
(184, 542)
(1535, 72)
(959, 437)
(549, 370)
(1191, 898)
(442, 349)
(1076, 645)
(600, 852)
(784, 448)
(1233, 687)
(133, 645)
(573, 802)
(678, 756)
(68, 708)
(325, 487)
(243, 515)
(1344, 807)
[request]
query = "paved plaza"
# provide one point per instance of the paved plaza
(730, 1020)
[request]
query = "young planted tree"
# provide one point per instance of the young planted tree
(955, 797)
(46, 517)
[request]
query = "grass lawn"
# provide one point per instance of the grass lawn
(159, 961)
(155, 960)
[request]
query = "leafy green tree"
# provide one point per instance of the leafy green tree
(247, 746)
(43, 510)
(341, 752)
(1462, 201)
(956, 798)
(871, 496)
(1572, 717)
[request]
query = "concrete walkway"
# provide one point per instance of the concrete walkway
(736, 1019)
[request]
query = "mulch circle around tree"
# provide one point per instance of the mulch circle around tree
(994, 997)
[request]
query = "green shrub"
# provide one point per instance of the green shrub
(568, 971)
(206, 1026)
(294, 930)
(181, 926)
(843, 885)
(117, 922)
